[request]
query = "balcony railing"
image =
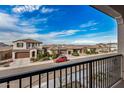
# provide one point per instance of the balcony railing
(101, 72)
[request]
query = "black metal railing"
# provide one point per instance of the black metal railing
(96, 73)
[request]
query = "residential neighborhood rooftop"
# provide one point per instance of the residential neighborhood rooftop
(28, 41)
(7, 48)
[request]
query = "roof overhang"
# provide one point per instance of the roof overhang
(113, 11)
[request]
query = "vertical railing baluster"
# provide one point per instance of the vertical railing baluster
(83, 76)
(117, 67)
(20, 83)
(106, 73)
(120, 66)
(93, 73)
(99, 74)
(87, 76)
(47, 79)
(60, 78)
(8, 84)
(90, 75)
(71, 76)
(66, 82)
(54, 78)
(39, 80)
(80, 75)
(110, 80)
(75, 76)
(30, 81)
(95, 77)
(103, 73)
(113, 62)
(108, 70)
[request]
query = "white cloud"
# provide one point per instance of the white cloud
(88, 24)
(93, 35)
(94, 29)
(84, 42)
(7, 21)
(48, 10)
(64, 33)
(35, 20)
(31, 8)
(51, 35)
(25, 8)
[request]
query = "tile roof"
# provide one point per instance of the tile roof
(28, 41)
(7, 48)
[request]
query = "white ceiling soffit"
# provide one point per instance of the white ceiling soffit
(109, 11)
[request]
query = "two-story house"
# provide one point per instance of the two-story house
(25, 49)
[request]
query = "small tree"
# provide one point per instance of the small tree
(43, 56)
(75, 54)
(90, 51)
(54, 56)
(93, 51)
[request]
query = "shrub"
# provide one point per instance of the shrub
(54, 56)
(75, 54)
(45, 58)
(90, 51)
(34, 59)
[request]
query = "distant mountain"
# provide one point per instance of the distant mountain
(3, 44)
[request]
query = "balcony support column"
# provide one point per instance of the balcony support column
(121, 45)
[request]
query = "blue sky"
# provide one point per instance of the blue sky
(56, 24)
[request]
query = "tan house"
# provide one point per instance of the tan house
(103, 48)
(64, 49)
(25, 49)
(113, 47)
(5, 54)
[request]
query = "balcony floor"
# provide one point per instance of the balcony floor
(120, 85)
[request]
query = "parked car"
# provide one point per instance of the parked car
(61, 59)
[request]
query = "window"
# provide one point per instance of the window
(19, 44)
(28, 44)
(33, 54)
(33, 44)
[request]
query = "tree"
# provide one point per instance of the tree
(54, 55)
(75, 54)
(90, 51)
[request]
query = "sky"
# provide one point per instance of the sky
(56, 24)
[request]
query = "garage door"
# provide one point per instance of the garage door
(22, 55)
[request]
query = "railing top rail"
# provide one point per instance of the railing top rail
(55, 67)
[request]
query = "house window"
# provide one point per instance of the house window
(80, 51)
(28, 45)
(19, 44)
(33, 45)
(69, 52)
(33, 54)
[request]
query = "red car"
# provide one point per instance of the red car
(61, 59)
